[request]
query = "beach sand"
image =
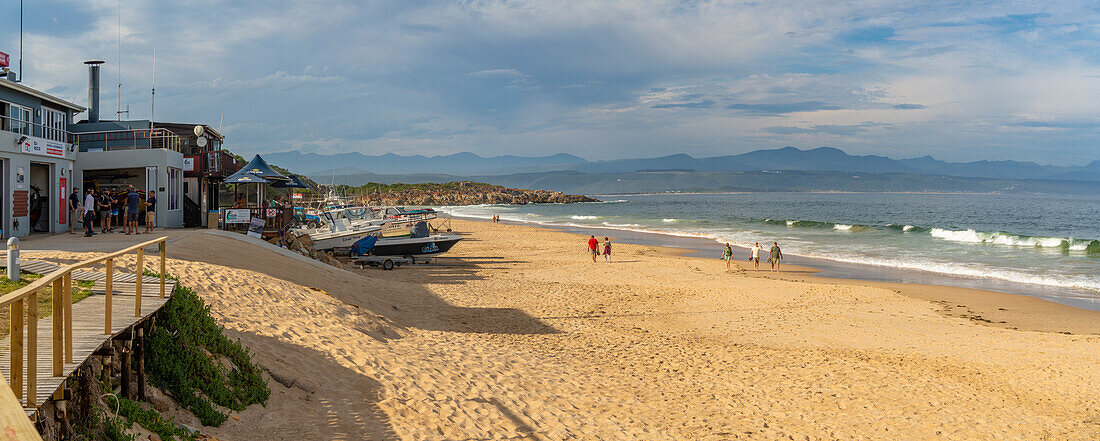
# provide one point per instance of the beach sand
(517, 334)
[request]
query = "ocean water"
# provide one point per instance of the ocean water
(1043, 244)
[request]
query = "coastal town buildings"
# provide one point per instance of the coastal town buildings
(43, 155)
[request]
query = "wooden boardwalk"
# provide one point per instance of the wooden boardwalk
(88, 332)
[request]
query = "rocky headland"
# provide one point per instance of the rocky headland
(458, 193)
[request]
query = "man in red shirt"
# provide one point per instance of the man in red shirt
(594, 247)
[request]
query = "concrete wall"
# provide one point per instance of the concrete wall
(162, 159)
(13, 159)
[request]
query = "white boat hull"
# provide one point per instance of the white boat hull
(343, 239)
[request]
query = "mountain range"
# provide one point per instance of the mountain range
(352, 167)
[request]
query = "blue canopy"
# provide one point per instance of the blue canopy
(245, 177)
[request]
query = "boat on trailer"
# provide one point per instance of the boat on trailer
(420, 242)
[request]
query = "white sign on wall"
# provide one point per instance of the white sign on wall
(45, 147)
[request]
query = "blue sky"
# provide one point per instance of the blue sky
(601, 79)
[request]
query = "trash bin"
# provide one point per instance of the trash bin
(213, 218)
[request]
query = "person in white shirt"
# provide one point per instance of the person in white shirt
(89, 214)
(754, 255)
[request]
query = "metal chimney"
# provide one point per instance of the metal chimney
(93, 90)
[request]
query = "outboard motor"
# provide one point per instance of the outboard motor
(420, 229)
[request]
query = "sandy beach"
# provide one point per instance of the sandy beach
(517, 334)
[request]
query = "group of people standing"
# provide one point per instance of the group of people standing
(119, 208)
(774, 255)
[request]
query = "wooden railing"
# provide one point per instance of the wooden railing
(27, 298)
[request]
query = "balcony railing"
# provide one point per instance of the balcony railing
(215, 164)
(28, 128)
(132, 139)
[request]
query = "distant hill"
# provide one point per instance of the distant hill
(781, 180)
(464, 163)
(359, 168)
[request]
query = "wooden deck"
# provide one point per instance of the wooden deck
(88, 326)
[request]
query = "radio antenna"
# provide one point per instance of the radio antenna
(20, 79)
(118, 100)
(153, 106)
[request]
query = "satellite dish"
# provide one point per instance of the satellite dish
(199, 130)
(201, 141)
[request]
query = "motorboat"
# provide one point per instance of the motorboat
(420, 242)
(338, 233)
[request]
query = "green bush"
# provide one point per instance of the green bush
(151, 421)
(176, 361)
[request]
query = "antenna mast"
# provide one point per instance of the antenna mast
(153, 106)
(20, 41)
(118, 100)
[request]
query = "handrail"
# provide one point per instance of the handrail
(42, 128)
(62, 335)
(23, 292)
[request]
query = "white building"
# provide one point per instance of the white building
(36, 160)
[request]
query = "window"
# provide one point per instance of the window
(15, 118)
(54, 124)
(20, 119)
(175, 186)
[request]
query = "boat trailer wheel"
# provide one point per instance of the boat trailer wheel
(387, 264)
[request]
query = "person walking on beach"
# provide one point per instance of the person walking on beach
(774, 256)
(727, 255)
(89, 214)
(593, 247)
(754, 255)
(133, 202)
(606, 249)
(75, 210)
(151, 212)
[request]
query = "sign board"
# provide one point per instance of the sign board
(296, 195)
(34, 145)
(238, 216)
(4, 60)
(271, 212)
(189, 163)
(256, 227)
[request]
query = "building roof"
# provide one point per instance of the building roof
(40, 95)
(188, 129)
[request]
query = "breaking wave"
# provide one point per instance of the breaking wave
(580, 217)
(999, 238)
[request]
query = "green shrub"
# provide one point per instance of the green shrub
(176, 360)
(152, 421)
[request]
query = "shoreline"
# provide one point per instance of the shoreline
(842, 269)
(993, 308)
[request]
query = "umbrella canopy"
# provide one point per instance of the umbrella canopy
(258, 167)
(246, 177)
(294, 182)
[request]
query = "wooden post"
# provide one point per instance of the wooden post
(32, 348)
(110, 293)
(58, 332)
(15, 314)
(67, 294)
(139, 353)
(139, 269)
(163, 246)
(125, 377)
